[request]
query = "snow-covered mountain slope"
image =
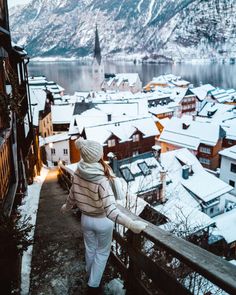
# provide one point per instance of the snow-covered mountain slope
(175, 28)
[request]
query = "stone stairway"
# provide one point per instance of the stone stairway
(58, 254)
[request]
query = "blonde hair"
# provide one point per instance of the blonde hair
(107, 169)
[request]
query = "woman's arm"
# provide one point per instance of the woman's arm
(113, 213)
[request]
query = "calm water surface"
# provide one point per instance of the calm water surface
(75, 76)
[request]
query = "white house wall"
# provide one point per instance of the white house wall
(59, 154)
(225, 174)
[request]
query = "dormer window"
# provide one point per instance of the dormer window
(136, 137)
(111, 142)
(144, 168)
(126, 173)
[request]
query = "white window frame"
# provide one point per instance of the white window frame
(111, 142)
(136, 137)
(205, 150)
(204, 161)
(65, 152)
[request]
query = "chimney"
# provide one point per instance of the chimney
(163, 183)
(185, 172)
(109, 117)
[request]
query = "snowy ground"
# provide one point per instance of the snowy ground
(29, 208)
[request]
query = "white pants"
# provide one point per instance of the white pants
(97, 240)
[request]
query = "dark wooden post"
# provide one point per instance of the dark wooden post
(134, 273)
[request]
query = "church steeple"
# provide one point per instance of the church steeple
(98, 66)
(97, 49)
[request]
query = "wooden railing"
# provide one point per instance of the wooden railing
(157, 262)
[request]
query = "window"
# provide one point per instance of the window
(233, 168)
(111, 142)
(144, 168)
(205, 150)
(53, 151)
(205, 161)
(65, 151)
(211, 210)
(232, 183)
(135, 153)
(126, 173)
(135, 137)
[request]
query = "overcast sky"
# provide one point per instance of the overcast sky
(15, 2)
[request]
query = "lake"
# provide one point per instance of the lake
(77, 76)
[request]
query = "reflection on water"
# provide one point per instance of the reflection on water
(75, 76)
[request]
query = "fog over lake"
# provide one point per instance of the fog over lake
(77, 76)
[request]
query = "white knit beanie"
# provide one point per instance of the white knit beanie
(91, 151)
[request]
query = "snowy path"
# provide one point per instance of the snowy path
(57, 262)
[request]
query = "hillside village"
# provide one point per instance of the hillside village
(172, 145)
(166, 141)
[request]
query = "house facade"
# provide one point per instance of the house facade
(18, 150)
(122, 82)
(203, 139)
(228, 167)
(57, 148)
(124, 138)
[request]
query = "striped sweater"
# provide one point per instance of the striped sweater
(95, 198)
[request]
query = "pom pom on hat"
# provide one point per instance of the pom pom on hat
(91, 151)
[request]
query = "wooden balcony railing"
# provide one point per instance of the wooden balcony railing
(157, 262)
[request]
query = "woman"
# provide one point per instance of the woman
(93, 190)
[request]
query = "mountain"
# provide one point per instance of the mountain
(179, 29)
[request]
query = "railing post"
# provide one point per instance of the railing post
(134, 273)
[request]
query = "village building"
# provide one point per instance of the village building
(228, 167)
(41, 111)
(224, 115)
(122, 82)
(227, 96)
(54, 91)
(61, 117)
(140, 174)
(225, 224)
(56, 149)
(168, 80)
(125, 138)
(186, 173)
(18, 150)
(203, 94)
(203, 139)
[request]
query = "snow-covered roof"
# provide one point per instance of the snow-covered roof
(56, 138)
(130, 78)
(195, 133)
(198, 182)
(38, 100)
(117, 111)
(229, 152)
(182, 217)
(226, 223)
(160, 109)
(202, 91)
(62, 114)
(222, 95)
(122, 129)
(218, 112)
(222, 114)
(142, 182)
